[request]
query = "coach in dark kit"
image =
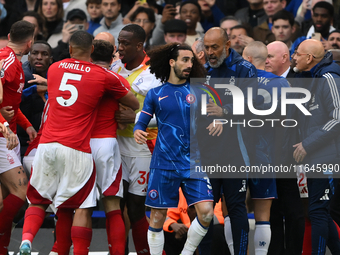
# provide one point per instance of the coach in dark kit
(318, 141)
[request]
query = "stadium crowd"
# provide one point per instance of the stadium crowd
(99, 101)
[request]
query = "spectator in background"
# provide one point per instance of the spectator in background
(145, 17)
(190, 13)
(95, 13)
(175, 31)
(228, 22)
(334, 40)
(36, 19)
(239, 38)
(70, 5)
(113, 19)
(210, 15)
(254, 15)
(52, 12)
(76, 20)
(263, 31)
(283, 27)
(322, 19)
(322, 16)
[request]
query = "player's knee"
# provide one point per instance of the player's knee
(159, 216)
(206, 213)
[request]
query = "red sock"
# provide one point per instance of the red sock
(55, 247)
(11, 205)
(34, 218)
(307, 238)
(115, 230)
(139, 235)
(63, 230)
(81, 238)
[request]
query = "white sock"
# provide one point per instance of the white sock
(196, 233)
(228, 234)
(262, 237)
(156, 240)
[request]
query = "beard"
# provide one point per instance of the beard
(220, 60)
(179, 73)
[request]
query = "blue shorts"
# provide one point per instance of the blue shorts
(261, 188)
(164, 184)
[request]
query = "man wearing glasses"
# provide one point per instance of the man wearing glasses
(318, 142)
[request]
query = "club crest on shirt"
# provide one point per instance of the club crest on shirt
(153, 194)
(191, 98)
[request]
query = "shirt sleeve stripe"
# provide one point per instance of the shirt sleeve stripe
(334, 93)
(147, 113)
(336, 102)
(8, 61)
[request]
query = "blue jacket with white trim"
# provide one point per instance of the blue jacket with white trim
(320, 132)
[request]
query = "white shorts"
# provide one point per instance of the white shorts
(9, 159)
(28, 160)
(106, 155)
(136, 173)
(62, 175)
(302, 181)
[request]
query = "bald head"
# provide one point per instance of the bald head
(279, 47)
(256, 53)
(106, 36)
(216, 33)
(313, 47)
(308, 54)
(278, 60)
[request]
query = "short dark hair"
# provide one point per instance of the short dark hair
(230, 18)
(82, 40)
(147, 11)
(103, 51)
(138, 32)
(46, 43)
(285, 15)
(21, 31)
(93, 2)
(325, 5)
(160, 56)
(35, 15)
(194, 2)
(242, 27)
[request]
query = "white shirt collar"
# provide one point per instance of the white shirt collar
(284, 75)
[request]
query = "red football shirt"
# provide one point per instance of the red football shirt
(13, 80)
(74, 90)
(106, 124)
